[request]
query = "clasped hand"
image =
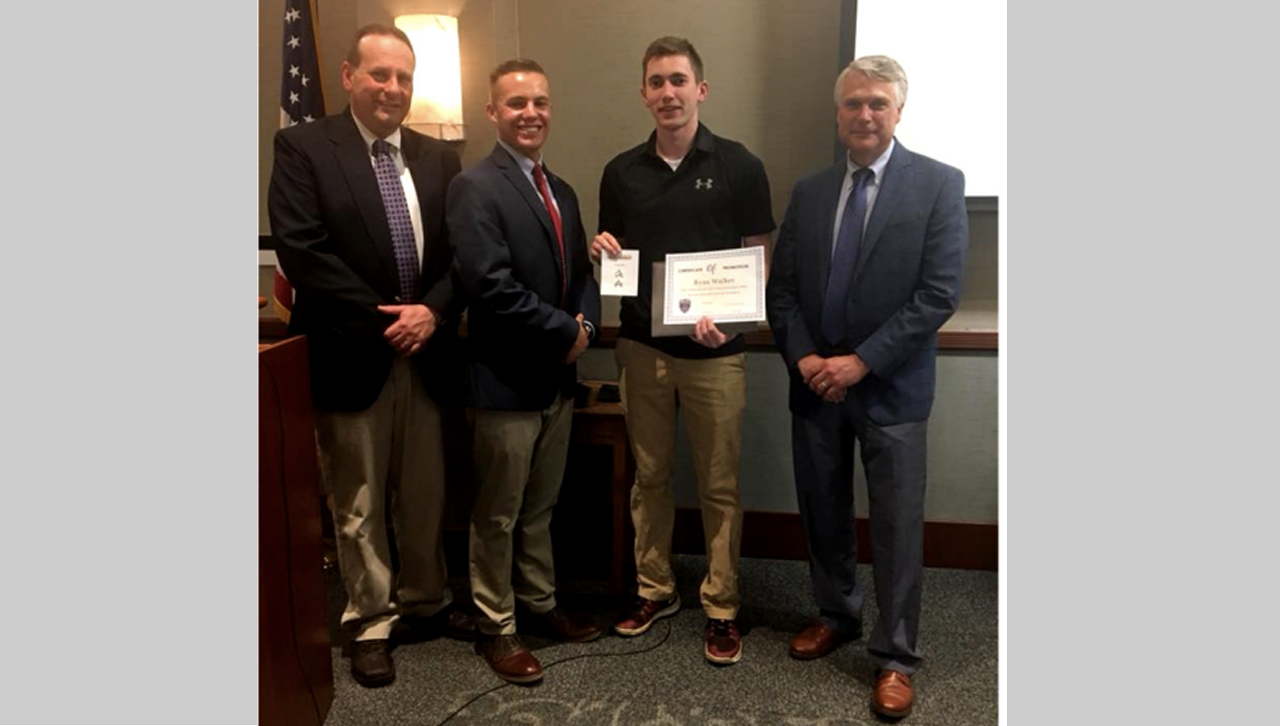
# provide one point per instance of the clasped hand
(832, 377)
(412, 329)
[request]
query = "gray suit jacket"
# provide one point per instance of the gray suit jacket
(906, 283)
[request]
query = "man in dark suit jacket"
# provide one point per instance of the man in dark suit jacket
(855, 308)
(357, 209)
(521, 257)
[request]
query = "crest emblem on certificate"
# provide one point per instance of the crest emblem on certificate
(684, 305)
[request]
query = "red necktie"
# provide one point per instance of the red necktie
(541, 179)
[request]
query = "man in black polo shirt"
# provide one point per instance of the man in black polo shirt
(683, 190)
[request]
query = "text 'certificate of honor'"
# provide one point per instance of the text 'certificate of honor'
(620, 274)
(724, 285)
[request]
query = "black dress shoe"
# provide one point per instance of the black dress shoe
(452, 622)
(371, 663)
(460, 624)
(568, 627)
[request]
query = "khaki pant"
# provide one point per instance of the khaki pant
(712, 394)
(520, 460)
(393, 448)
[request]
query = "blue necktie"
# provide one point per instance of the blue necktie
(406, 250)
(847, 243)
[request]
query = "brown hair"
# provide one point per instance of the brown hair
(515, 65)
(670, 45)
(353, 54)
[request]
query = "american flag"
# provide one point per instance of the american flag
(301, 101)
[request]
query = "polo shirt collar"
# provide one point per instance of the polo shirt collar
(703, 140)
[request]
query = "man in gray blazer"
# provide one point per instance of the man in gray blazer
(867, 267)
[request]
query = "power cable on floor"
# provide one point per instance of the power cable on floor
(553, 664)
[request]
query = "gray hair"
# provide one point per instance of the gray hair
(880, 68)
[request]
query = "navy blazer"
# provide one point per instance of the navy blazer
(508, 263)
(906, 283)
(334, 244)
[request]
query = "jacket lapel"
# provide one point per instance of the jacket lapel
(423, 183)
(353, 157)
(426, 183)
(830, 199)
(515, 175)
(897, 177)
(511, 170)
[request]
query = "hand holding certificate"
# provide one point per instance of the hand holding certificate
(724, 285)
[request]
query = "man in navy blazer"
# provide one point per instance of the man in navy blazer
(382, 346)
(520, 255)
(862, 363)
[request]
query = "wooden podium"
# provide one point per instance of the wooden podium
(295, 666)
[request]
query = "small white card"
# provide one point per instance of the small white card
(620, 274)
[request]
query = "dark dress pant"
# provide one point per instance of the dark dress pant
(893, 459)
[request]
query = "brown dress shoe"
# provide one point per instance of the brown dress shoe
(893, 696)
(509, 658)
(568, 627)
(645, 613)
(371, 663)
(818, 640)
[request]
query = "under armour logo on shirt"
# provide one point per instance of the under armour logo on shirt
(702, 183)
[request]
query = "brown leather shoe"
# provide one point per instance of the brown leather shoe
(818, 640)
(371, 663)
(568, 627)
(893, 696)
(509, 658)
(645, 613)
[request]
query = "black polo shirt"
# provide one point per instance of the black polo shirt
(718, 195)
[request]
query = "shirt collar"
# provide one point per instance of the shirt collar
(526, 164)
(703, 140)
(877, 166)
(369, 137)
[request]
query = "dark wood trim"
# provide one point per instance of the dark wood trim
(968, 340)
(780, 535)
(762, 340)
(266, 242)
(271, 329)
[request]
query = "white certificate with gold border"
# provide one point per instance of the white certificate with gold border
(724, 285)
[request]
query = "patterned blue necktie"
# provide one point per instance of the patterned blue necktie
(847, 243)
(401, 224)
